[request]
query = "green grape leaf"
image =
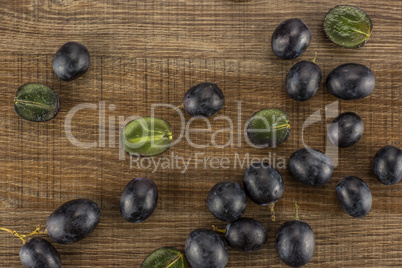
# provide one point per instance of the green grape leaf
(146, 136)
(166, 257)
(36, 102)
(348, 26)
(268, 128)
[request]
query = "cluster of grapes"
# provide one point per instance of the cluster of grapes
(227, 200)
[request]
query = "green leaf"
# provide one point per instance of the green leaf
(36, 102)
(166, 257)
(146, 136)
(348, 26)
(268, 128)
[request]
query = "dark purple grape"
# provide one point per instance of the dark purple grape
(263, 183)
(71, 61)
(227, 200)
(73, 221)
(290, 39)
(387, 165)
(205, 249)
(351, 81)
(354, 196)
(39, 253)
(138, 200)
(311, 166)
(303, 80)
(346, 130)
(295, 243)
(246, 234)
(204, 99)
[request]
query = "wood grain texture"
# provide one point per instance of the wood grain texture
(148, 52)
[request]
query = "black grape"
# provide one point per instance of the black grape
(387, 165)
(73, 221)
(263, 183)
(311, 166)
(351, 81)
(205, 249)
(354, 196)
(71, 61)
(227, 200)
(290, 39)
(138, 200)
(303, 80)
(204, 99)
(246, 234)
(39, 253)
(346, 130)
(295, 243)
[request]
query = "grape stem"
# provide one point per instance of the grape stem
(181, 106)
(223, 231)
(272, 206)
(37, 231)
(297, 212)
(315, 57)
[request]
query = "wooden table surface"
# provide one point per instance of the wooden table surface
(152, 52)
